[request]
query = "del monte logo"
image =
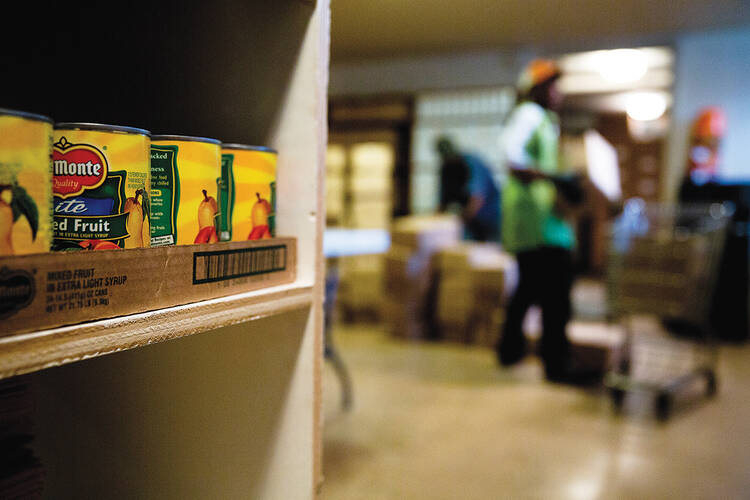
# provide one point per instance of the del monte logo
(77, 167)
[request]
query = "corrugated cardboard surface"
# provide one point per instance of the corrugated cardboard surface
(50, 290)
(426, 233)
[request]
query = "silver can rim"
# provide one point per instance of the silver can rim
(186, 138)
(101, 127)
(248, 147)
(26, 115)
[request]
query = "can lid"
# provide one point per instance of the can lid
(247, 147)
(24, 114)
(184, 138)
(102, 127)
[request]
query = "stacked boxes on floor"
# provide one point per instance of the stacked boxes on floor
(494, 278)
(361, 286)
(455, 304)
(409, 283)
(470, 297)
(335, 166)
(367, 204)
(369, 186)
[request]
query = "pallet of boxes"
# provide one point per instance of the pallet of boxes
(410, 290)
(366, 193)
(473, 281)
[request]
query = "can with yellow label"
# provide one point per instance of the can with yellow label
(184, 172)
(101, 183)
(25, 183)
(247, 192)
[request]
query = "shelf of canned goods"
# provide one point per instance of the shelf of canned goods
(216, 398)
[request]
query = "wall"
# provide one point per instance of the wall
(469, 69)
(713, 68)
(472, 119)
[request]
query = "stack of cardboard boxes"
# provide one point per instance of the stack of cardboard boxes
(367, 205)
(473, 282)
(369, 186)
(361, 287)
(335, 192)
(409, 281)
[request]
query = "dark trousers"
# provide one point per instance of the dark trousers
(545, 277)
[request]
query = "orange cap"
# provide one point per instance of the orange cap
(536, 72)
(710, 122)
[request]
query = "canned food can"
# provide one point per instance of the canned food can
(184, 172)
(247, 192)
(102, 179)
(25, 183)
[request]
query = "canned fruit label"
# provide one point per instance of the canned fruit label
(25, 186)
(165, 195)
(225, 185)
(251, 190)
(101, 190)
(183, 192)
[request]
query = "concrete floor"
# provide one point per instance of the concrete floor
(436, 421)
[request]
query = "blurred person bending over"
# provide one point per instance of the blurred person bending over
(703, 161)
(466, 184)
(534, 227)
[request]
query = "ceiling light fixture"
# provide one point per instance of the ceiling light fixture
(646, 106)
(621, 65)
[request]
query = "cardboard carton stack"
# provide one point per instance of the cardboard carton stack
(409, 285)
(471, 291)
(335, 166)
(361, 197)
(494, 278)
(370, 183)
(361, 287)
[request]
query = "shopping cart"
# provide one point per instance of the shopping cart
(663, 264)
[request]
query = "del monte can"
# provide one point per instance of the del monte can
(101, 185)
(25, 183)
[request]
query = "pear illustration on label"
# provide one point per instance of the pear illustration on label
(25, 183)
(6, 223)
(134, 209)
(14, 203)
(259, 217)
(207, 211)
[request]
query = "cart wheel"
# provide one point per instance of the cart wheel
(663, 406)
(618, 398)
(711, 385)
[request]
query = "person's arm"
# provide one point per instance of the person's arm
(526, 173)
(517, 135)
(475, 203)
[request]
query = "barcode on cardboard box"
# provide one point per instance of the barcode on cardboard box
(210, 267)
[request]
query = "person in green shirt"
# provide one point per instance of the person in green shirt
(534, 228)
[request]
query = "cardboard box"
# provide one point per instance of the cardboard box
(471, 289)
(49, 290)
(408, 277)
(370, 215)
(594, 346)
(361, 291)
(405, 319)
(426, 234)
